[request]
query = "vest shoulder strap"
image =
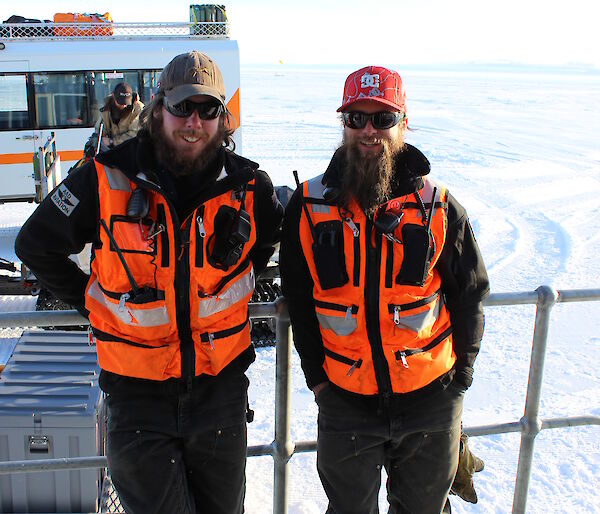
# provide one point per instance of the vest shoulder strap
(427, 191)
(314, 195)
(314, 188)
(116, 179)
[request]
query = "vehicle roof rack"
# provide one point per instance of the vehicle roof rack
(51, 31)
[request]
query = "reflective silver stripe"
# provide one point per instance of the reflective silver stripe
(131, 315)
(315, 190)
(340, 325)
(422, 320)
(117, 179)
(225, 299)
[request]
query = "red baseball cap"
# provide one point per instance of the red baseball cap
(377, 84)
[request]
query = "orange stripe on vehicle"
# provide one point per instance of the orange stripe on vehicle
(70, 155)
(233, 106)
(27, 158)
(16, 158)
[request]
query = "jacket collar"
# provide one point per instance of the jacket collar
(137, 155)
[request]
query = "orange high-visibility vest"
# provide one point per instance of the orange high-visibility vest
(139, 335)
(413, 338)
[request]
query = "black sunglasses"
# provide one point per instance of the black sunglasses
(380, 120)
(205, 110)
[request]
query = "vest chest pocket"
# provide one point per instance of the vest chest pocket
(133, 236)
(328, 254)
(232, 229)
(419, 247)
(341, 319)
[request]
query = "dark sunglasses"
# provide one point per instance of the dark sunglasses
(205, 110)
(380, 120)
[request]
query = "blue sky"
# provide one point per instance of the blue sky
(549, 32)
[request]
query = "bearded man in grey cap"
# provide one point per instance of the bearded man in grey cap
(180, 225)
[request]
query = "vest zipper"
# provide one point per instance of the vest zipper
(182, 280)
(402, 354)
(398, 308)
(372, 287)
(356, 234)
(200, 236)
(161, 218)
(389, 263)
(209, 337)
(124, 297)
(349, 309)
(354, 364)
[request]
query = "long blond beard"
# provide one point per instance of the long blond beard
(368, 179)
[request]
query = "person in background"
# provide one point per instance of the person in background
(384, 283)
(180, 226)
(119, 116)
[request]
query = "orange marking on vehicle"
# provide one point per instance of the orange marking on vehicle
(233, 106)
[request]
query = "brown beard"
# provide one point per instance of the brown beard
(368, 179)
(176, 164)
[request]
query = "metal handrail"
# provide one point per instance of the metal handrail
(282, 448)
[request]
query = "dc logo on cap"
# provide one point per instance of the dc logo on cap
(368, 80)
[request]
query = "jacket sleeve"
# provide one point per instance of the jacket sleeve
(464, 284)
(297, 287)
(62, 224)
(268, 215)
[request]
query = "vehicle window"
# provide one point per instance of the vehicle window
(103, 83)
(150, 84)
(60, 100)
(14, 109)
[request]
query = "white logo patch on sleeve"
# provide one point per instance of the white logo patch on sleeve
(64, 200)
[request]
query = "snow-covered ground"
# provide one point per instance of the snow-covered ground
(521, 152)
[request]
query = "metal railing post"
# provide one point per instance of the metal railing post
(530, 422)
(283, 448)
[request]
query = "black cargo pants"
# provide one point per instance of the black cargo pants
(418, 446)
(172, 451)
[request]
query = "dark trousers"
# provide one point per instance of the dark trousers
(174, 452)
(418, 447)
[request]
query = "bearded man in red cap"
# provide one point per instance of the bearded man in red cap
(384, 283)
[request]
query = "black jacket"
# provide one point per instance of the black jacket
(462, 271)
(49, 236)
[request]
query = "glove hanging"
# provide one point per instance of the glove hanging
(468, 465)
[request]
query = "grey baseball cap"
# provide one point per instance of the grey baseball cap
(123, 93)
(189, 74)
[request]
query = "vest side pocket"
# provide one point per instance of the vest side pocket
(340, 319)
(417, 317)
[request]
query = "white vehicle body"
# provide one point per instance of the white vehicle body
(57, 84)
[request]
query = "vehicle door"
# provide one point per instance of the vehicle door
(18, 140)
